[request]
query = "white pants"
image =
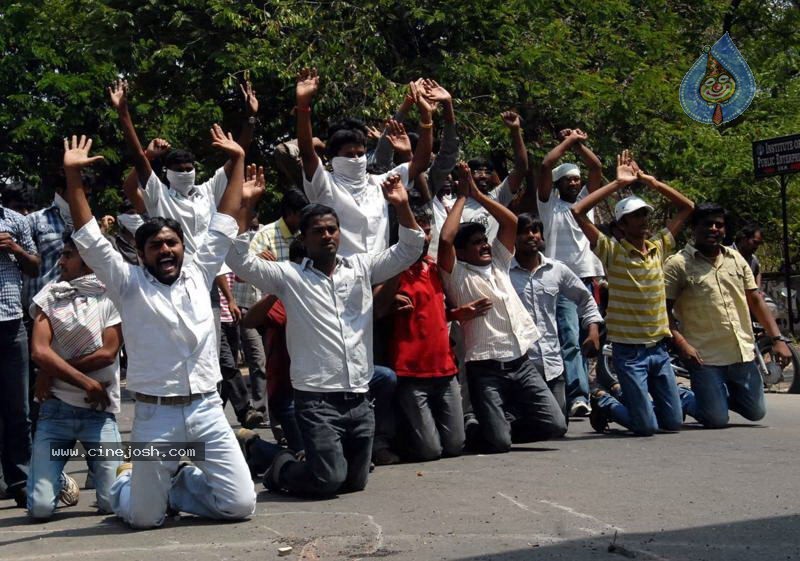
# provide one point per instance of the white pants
(218, 486)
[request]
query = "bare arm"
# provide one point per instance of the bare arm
(684, 204)
(545, 187)
(76, 157)
(517, 175)
(591, 161)
(507, 232)
(383, 297)
(231, 202)
(245, 137)
(27, 259)
(307, 86)
(446, 256)
(102, 357)
(119, 99)
(422, 155)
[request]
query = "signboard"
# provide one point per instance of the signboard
(777, 156)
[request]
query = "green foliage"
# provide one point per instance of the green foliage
(611, 68)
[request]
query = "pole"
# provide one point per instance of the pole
(787, 264)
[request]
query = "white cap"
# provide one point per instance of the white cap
(629, 205)
(565, 170)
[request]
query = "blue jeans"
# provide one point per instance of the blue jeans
(15, 425)
(717, 389)
(381, 389)
(575, 366)
(644, 372)
(61, 424)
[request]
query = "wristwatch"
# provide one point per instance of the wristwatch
(783, 338)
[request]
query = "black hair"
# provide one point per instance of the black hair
(312, 211)
(422, 211)
(297, 251)
(747, 231)
(704, 210)
(178, 156)
(152, 226)
(125, 206)
(341, 138)
(413, 138)
(348, 123)
(66, 239)
(465, 231)
(527, 221)
(294, 200)
(478, 163)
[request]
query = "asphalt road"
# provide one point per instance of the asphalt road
(697, 495)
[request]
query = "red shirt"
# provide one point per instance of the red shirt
(277, 355)
(421, 344)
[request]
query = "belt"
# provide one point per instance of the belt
(643, 345)
(170, 399)
(502, 366)
(332, 396)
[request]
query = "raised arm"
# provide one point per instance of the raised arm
(157, 148)
(447, 156)
(249, 125)
(569, 138)
(382, 157)
(422, 155)
(231, 201)
(446, 256)
(119, 100)
(305, 90)
(517, 175)
(684, 204)
(625, 176)
(507, 232)
(590, 160)
(76, 157)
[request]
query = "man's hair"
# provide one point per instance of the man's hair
(297, 251)
(153, 226)
(66, 239)
(294, 200)
(747, 231)
(178, 156)
(704, 210)
(478, 163)
(526, 221)
(312, 211)
(422, 212)
(346, 131)
(465, 231)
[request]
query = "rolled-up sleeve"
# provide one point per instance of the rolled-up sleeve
(399, 257)
(98, 253)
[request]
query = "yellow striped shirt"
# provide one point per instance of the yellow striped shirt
(637, 307)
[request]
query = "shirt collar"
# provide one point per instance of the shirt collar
(157, 282)
(307, 263)
(284, 229)
(650, 247)
(694, 252)
(545, 263)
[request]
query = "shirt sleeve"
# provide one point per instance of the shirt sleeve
(261, 241)
(604, 250)
(445, 159)
(501, 257)
(402, 171)
(215, 187)
(152, 193)
(110, 314)
(98, 253)
(744, 267)
(502, 193)
(394, 260)
(665, 242)
(213, 246)
(319, 189)
(674, 276)
(268, 276)
(26, 238)
(573, 288)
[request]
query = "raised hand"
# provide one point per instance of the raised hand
(157, 148)
(641, 175)
(580, 135)
(106, 223)
(626, 172)
(564, 133)
(254, 185)
(464, 182)
(436, 93)
(225, 142)
(250, 99)
(373, 133)
(394, 191)
(397, 136)
(511, 119)
(307, 86)
(76, 152)
(118, 91)
(418, 92)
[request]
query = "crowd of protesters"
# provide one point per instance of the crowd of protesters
(410, 303)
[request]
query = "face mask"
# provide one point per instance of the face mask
(448, 201)
(63, 209)
(130, 222)
(351, 172)
(181, 181)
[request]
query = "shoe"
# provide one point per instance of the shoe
(70, 492)
(252, 419)
(272, 475)
(127, 466)
(598, 417)
(385, 457)
(244, 436)
(20, 495)
(580, 409)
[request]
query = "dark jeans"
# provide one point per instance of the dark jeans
(15, 426)
(232, 388)
(253, 349)
(513, 403)
(337, 429)
(381, 389)
(432, 407)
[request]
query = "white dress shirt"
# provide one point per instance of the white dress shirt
(539, 290)
(507, 331)
(168, 329)
(328, 319)
(363, 224)
(192, 212)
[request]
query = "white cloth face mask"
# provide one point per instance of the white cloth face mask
(181, 181)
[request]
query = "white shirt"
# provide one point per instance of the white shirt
(539, 291)
(364, 225)
(473, 212)
(507, 331)
(328, 319)
(563, 238)
(168, 329)
(192, 212)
